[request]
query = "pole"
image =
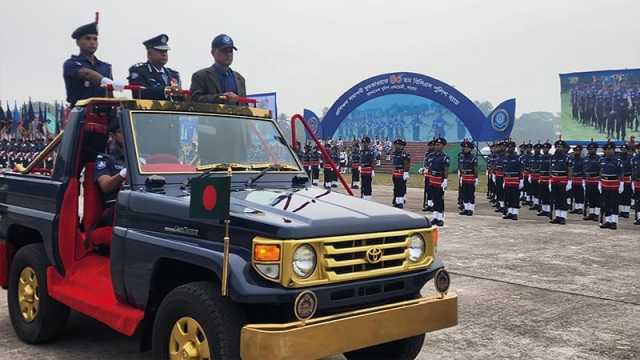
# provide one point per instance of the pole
(225, 266)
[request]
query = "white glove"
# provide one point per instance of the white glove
(106, 81)
(421, 171)
(359, 168)
(118, 85)
(405, 175)
(123, 173)
(633, 187)
(444, 184)
(584, 183)
(550, 188)
(476, 182)
(521, 185)
(530, 179)
(600, 187)
(373, 173)
(569, 185)
(493, 177)
(621, 188)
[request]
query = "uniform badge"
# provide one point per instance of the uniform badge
(163, 39)
(87, 84)
(134, 75)
(101, 164)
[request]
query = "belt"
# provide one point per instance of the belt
(544, 179)
(355, 165)
(468, 178)
(306, 163)
(592, 180)
(499, 173)
(366, 170)
(398, 172)
(511, 181)
(577, 179)
(327, 167)
(435, 181)
(561, 180)
(315, 163)
(626, 179)
(608, 184)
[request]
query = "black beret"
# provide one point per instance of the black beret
(441, 141)
(88, 29)
(400, 142)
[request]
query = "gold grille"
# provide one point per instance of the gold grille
(350, 256)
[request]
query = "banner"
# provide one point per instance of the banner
(600, 105)
(314, 122)
(267, 101)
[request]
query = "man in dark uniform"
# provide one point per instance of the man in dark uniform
(438, 173)
(525, 156)
(315, 166)
(610, 186)
(328, 170)
(84, 75)
(512, 181)
(335, 157)
(366, 168)
(427, 201)
(498, 177)
(560, 184)
(534, 177)
(626, 152)
(544, 181)
(219, 83)
(159, 81)
(306, 159)
(577, 180)
(355, 165)
(635, 177)
(621, 106)
(591, 181)
(468, 168)
(111, 173)
(491, 186)
(401, 161)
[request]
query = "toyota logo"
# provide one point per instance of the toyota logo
(374, 255)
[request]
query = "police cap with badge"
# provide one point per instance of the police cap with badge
(157, 43)
(592, 145)
(466, 144)
(223, 41)
(400, 142)
(560, 144)
(366, 140)
(440, 141)
(88, 29)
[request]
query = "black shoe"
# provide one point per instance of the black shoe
(463, 212)
(507, 216)
(543, 213)
(532, 208)
(440, 223)
(425, 209)
(555, 221)
(498, 209)
(613, 226)
(469, 213)
(562, 221)
(587, 218)
(637, 222)
(436, 222)
(577, 211)
(334, 185)
(355, 187)
(429, 208)
(624, 215)
(606, 225)
(595, 217)
(514, 217)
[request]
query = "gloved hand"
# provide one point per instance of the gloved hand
(550, 188)
(476, 182)
(444, 184)
(569, 185)
(530, 179)
(106, 81)
(359, 168)
(421, 171)
(123, 173)
(373, 173)
(633, 187)
(493, 177)
(621, 188)
(405, 175)
(584, 184)
(600, 187)
(118, 85)
(521, 184)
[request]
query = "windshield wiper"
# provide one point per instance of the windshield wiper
(269, 167)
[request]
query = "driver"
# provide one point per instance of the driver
(111, 173)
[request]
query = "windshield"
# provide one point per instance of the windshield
(173, 143)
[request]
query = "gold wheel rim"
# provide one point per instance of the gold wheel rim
(28, 298)
(188, 341)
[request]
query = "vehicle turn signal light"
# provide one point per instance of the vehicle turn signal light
(266, 252)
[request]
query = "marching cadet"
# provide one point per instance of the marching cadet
(544, 182)
(315, 166)
(577, 180)
(512, 181)
(401, 165)
(159, 81)
(366, 168)
(427, 201)
(468, 168)
(626, 152)
(335, 157)
(306, 159)
(460, 202)
(610, 186)
(491, 186)
(438, 173)
(591, 182)
(498, 177)
(635, 175)
(328, 170)
(525, 155)
(355, 165)
(534, 177)
(84, 74)
(560, 183)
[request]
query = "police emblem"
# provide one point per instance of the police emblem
(226, 39)
(500, 120)
(163, 39)
(134, 75)
(101, 164)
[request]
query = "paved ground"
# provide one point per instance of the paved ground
(527, 290)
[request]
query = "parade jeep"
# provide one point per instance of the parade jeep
(307, 273)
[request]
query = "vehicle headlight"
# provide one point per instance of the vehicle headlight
(304, 261)
(416, 247)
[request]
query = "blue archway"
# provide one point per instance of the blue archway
(496, 126)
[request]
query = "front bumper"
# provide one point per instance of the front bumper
(335, 334)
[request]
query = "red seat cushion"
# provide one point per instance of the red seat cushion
(101, 236)
(93, 209)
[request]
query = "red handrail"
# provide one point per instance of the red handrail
(325, 155)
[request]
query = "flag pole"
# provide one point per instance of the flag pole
(227, 240)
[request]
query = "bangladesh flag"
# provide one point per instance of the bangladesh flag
(210, 197)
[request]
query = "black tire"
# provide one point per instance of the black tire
(220, 319)
(404, 349)
(51, 316)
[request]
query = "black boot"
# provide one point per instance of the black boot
(562, 221)
(624, 215)
(637, 222)
(613, 226)
(514, 217)
(507, 216)
(606, 225)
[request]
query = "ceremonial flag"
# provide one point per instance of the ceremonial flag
(30, 115)
(9, 116)
(314, 122)
(210, 197)
(1, 113)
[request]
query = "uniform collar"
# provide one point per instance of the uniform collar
(152, 68)
(86, 59)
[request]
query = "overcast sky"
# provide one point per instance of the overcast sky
(310, 52)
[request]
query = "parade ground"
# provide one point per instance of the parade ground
(527, 290)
